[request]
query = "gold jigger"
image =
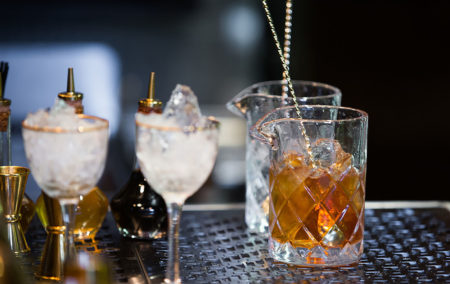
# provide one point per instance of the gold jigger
(52, 259)
(12, 188)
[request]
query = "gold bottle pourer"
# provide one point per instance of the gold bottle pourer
(150, 104)
(70, 96)
(3, 101)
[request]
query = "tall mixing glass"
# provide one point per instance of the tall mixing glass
(253, 103)
(67, 162)
(176, 162)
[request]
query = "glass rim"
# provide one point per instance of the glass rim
(13, 170)
(59, 129)
(245, 92)
(362, 113)
(213, 125)
(257, 132)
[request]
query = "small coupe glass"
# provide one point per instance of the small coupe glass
(176, 162)
(66, 163)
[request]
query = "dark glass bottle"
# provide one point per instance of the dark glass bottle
(138, 210)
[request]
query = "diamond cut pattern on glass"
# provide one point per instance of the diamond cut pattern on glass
(347, 222)
(302, 202)
(305, 239)
(318, 214)
(319, 183)
(336, 201)
(349, 181)
(358, 233)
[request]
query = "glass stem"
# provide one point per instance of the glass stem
(68, 213)
(173, 264)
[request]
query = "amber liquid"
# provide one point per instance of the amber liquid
(89, 215)
(310, 207)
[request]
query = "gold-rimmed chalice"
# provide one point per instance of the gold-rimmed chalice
(67, 161)
(176, 161)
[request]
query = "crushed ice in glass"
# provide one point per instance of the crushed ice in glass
(60, 115)
(166, 156)
(65, 164)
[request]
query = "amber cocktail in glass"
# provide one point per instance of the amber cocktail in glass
(316, 184)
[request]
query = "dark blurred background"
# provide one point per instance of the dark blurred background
(389, 58)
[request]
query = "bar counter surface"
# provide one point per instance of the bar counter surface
(404, 242)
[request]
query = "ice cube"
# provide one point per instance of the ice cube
(183, 106)
(155, 119)
(60, 106)
(327, 152)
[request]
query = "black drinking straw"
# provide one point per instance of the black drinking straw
(4, 67)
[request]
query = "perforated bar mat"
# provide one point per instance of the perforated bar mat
(400, 246)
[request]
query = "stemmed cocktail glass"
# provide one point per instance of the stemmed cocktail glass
(176, 161)
(67, 161)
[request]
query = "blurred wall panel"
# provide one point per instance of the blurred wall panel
(38, 72)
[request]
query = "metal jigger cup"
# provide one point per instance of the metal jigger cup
(52, 258)
(13, 180)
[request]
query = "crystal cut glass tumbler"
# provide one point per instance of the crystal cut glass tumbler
(317, 184)
(254, 102)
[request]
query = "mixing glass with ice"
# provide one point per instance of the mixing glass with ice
(317, 184)
(253, 103)
(176, 152)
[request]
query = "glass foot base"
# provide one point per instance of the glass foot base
(317, 256)
(142, 235)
